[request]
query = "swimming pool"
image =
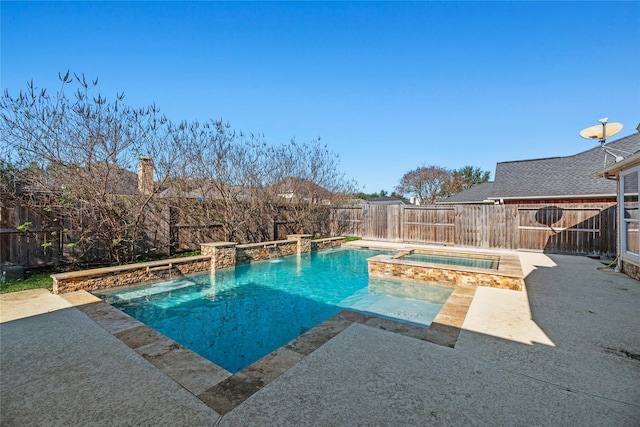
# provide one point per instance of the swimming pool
(236, 316)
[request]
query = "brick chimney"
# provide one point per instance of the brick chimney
(145, 175)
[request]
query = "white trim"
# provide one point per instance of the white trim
(573, 196)
(618, 167)
(627, 256)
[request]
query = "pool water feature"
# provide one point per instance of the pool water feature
(236, 316)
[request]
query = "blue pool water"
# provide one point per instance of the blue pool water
(236, 316)
(459, 260)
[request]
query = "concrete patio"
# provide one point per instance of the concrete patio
(566, 351)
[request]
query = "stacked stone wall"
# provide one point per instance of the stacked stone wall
(631, 270)
(223, 254)
(304, 242)
(384, 266)
(265, 251)
(327, 243)
(132, 274)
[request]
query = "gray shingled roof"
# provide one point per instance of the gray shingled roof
(555, 177)
(386, 200)
(476, 194)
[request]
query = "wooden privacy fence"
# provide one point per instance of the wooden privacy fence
(170, 227)
(26, 235)
(578, 229)
(49, 241)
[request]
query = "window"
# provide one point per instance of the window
(629, 216)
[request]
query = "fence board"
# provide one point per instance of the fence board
(428, 224)
(570, 229)
(346, 221)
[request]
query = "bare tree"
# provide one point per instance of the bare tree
(73, 157)
(257, 184)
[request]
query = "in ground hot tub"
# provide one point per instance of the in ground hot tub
(451, 268)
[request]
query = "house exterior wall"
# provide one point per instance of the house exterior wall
(630, 269)
(627, 175)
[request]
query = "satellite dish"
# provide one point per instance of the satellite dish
(602, 131)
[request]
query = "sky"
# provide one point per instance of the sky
(388, 86)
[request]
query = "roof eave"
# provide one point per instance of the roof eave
(473, 202)
(614, 169)
(566, 196)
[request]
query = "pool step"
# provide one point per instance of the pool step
(155, 289)
(410, 311)
(164, 271)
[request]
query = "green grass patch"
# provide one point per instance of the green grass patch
(187, 254)
(346, 238)
(32, 281)
(178, 255)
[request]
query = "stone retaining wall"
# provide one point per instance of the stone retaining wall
(132, 274)
(265, 251)
(326, 243)
(228, 254)
(304, 242)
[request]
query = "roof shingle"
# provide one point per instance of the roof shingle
(555, 177)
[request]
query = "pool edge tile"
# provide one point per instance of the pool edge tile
(311, 340)
(139, 336)
(108, 317)
(193, 372)
(230, 393)
(272, 365)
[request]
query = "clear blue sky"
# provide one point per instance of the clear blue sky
(388, 86)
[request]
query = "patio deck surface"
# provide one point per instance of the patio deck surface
(566, 351)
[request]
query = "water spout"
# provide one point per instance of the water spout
(274, 256)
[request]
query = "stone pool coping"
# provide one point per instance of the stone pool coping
(223, 391)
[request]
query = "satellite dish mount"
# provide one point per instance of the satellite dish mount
(601, 132)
